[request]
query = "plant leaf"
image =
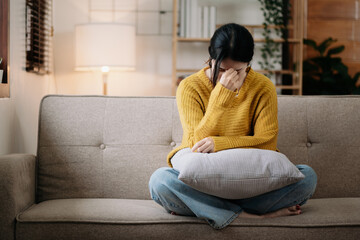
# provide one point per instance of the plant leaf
(309, 67)
(357, 76)
(341, 68)
(310, 43)
(335, 50)
(329, 79)
(325, 44)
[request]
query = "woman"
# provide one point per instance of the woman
(223, 106)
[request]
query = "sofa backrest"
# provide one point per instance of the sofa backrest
(108, 147)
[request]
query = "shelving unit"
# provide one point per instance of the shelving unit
(296, 31)
(4, 48)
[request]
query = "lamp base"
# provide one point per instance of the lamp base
(105, 77)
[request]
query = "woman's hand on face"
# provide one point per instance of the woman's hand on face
(205, 145)
(232, 79)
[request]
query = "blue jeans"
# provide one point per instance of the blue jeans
(175, 196)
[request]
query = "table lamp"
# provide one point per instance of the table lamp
(104, 47)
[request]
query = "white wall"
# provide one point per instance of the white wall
(19, 113)
(154, 52)
(6, 126)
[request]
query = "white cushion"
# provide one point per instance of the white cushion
(235, 173)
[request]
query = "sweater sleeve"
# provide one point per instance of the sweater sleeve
(265, 129)
(198, 122)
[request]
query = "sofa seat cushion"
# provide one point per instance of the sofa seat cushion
(99, 210)
(120, 219)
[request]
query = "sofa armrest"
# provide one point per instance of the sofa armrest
(17, 189)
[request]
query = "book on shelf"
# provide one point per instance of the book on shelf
(182, 18)
(193, 18)
(187, 18)
(199, 23)
(196, 21)
(206, 22)
(212, 20)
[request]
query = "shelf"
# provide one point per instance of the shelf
(295, 47)
(284, 72)
(291, 87)
(290, 40)
(193, 39)
(256, 40)
(187, 70)
(290, 27)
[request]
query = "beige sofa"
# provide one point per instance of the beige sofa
(89, 178)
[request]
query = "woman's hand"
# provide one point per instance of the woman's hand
(205, 145)
(233, 80)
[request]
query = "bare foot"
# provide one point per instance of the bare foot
(294, 210)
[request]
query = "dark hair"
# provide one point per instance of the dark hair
(230, 41)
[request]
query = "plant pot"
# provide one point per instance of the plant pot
(1, 75)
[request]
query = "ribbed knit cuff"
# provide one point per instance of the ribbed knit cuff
(221, 96)
(220, 143)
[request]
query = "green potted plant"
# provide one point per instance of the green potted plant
(326, 74)
(277, 13)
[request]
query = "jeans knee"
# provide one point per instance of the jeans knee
(309, 173)
(158, 183)
(310, 180)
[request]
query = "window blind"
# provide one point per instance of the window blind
(38, 34)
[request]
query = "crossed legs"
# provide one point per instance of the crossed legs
(177, 197)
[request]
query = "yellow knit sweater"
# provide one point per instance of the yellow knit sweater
(246, 120)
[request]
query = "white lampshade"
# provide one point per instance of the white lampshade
(104, 46)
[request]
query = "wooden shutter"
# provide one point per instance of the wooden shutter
(38, 34)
